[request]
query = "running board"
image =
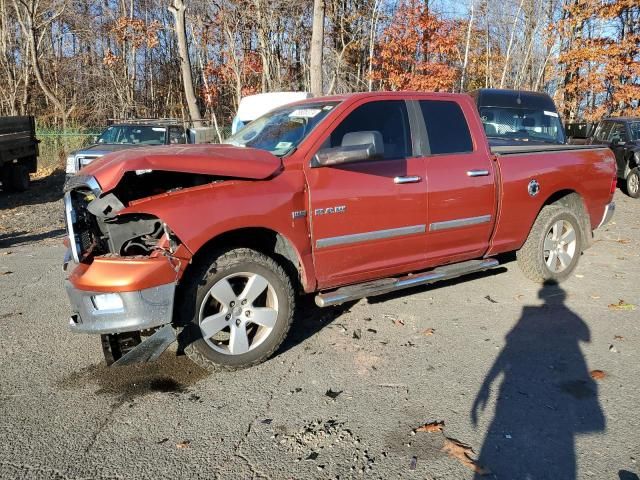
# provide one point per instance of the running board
(387, 285)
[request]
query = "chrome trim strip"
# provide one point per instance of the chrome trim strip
(477, 173)
(409, 179)
(69, 214)
(368, 236)
(609, 210)
(461, 222)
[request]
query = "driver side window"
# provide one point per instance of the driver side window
(388, 118)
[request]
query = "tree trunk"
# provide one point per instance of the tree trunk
(178, 10)
(317, 42)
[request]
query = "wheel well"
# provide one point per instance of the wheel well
(263, 240)
(572, 200)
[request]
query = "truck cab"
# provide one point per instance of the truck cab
(622, 135)
(126, 135)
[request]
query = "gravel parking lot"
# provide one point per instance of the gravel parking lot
(528, 383)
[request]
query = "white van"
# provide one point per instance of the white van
(255, 106)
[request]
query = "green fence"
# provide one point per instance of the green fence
(55, 144)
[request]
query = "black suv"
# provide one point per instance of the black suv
(622, 135)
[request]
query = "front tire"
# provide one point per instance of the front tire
(241, 306)
(633, 183)
(553, 247)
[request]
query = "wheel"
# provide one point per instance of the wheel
(553, 247)
(19, 178)
(633, 183)
(241, 306)
(116, 345)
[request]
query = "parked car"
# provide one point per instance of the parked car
(518, 117)
(254, 106)
(346, 197)
(18, 152)
(622, 135)
(137, 133)
(578, 133)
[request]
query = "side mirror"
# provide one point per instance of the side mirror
(356, 147)
(349, 154)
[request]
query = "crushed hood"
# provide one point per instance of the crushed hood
(222, 160)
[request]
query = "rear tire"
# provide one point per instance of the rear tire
(18, 178)
(553, 247)
(240, 307)
(632, 183)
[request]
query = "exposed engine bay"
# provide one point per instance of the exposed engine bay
(95, 228)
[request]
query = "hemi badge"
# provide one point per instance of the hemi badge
(298, 214)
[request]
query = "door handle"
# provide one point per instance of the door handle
(409, 179)
(477, 173)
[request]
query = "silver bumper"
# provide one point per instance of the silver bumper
(140, 310)
(608, 214)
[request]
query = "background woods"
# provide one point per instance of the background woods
(75, 63)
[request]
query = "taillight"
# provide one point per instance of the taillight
(614, 183)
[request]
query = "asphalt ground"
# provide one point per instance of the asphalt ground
(529, 383)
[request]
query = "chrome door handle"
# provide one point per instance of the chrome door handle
(477, 173)
(409, 179)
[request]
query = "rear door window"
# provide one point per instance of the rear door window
(617, 131)
(447, 128)
(389, 117)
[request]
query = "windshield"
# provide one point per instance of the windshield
(634, 128)
(282, 130)
(133, 134)
(523, 124)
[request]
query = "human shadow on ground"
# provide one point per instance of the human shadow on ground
(547, 396)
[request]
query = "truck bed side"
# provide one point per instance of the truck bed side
(559, 170)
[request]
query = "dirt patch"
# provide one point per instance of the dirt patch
(36, 215)
(170, 374)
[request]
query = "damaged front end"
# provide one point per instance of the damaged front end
(126, 265)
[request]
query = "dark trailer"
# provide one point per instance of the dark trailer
(18, 152)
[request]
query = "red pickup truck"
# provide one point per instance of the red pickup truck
(344, 196)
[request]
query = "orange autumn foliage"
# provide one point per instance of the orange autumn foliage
(417, 51)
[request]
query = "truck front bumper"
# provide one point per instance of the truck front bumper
(115, 295)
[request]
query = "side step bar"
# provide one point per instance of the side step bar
(387, 285)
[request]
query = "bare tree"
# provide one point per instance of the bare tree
(317, 44)
(178, 9)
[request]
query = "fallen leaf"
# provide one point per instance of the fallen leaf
(372, 330)
(428, 331)
(8, 272)
(622, 305)
(431, 427)
(312, 456)
(598, 374)
(464, 454)
(579, 276)
(164, 440)
(613, 349)
(518, 297)
(183, 444)
(332, 394)
(398, 323)
(357, 334)
(624, 241)
(595, 297)
(618, 337)
(267, 421)
(488, 297)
